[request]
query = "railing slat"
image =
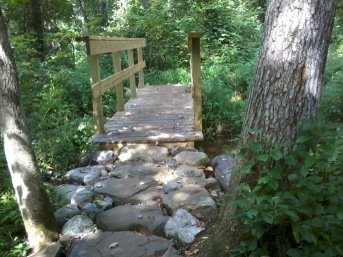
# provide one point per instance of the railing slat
(132, 77)
(118, 88)
(140, 74)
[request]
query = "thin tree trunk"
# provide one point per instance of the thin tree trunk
(33, 201)
(287, 88)
(37, 27)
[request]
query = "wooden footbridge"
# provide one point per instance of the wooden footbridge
(166, 115)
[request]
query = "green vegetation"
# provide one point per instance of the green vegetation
(295, 209)
(57, 99)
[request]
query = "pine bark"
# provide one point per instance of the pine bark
(287, 88)
(33, 201)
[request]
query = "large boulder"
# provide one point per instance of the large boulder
(223, 166)
(82, 196)
(145, 219)
(189, 171)
(194, 199)
(184, 225)
(66, 192)
(120, 244)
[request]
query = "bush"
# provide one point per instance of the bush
(296, 206)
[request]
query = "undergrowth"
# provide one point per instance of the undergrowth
(295, 208)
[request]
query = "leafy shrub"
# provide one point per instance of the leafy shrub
(296, 206)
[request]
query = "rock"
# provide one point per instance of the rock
(66, 192)
(78, 225)
(82, 196)
(102, 157)
(93, 209)
(51, 250)
(86, 175)
(171, 252)
(194, 199)
(143, 152)
(65, 213)
(85, 160)
(223, 166)
(124, 191)
(120, 244)
(172, 185)
(189, 171)
(180, 149)
(138, 169)
(184, 225)
(209, 183)
(196, 159)
(145, 219)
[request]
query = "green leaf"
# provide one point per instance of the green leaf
(262, 157)
(302, 139)
(305, 232)
(268, 217)
(309, 161)
(246, 170)
(275, 173)
(304, 170)
(256, 147)
(293, 177)
(252, 213)
(276, 155)
(292, 215)
(290, 160)
(339, 213)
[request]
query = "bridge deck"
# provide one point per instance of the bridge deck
(159, 115)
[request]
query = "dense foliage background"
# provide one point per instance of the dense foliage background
(54, 75)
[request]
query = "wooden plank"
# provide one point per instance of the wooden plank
(132, 77)
(140, 74)
(106, 84)
(100, 45)
(119, 88)
(96, 100)
(194, 44)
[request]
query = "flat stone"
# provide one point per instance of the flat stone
(143, 152)
(194, 199)
(145, 219)
(62, 215)
(171, 252)
(86, 175)
(123, 191)
(223, 167)
(138, 169)
(209, 183)
(66, 192)
(189, 171)
(120, 244)
(184, 225)
(197, 159)
(180, 149)
(78, 225)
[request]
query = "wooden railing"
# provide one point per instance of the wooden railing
(104, 45)
(194, 49)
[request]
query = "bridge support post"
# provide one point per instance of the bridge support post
(194, 49)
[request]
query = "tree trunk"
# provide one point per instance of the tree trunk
(37, 28)
(287, 87)
(33, 201)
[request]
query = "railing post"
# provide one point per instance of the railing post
(96, 101)
(119, 88)
(140, 74)
(132, 78)
(194, 49)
